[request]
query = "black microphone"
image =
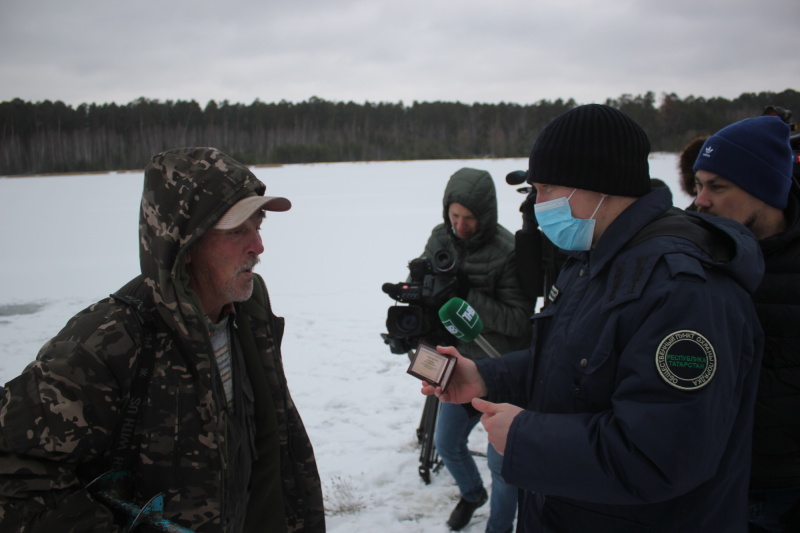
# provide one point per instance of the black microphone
(516, 177)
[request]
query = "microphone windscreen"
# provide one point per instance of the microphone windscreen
(516, 177)
(461, 319)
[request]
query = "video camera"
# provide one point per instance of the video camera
(432, 281)
(794, 135)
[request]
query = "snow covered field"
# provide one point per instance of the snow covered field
(67, 241)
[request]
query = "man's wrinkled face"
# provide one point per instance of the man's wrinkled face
(723, 198)
(221, 265)
(464, 223)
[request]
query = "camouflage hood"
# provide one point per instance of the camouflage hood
(186, 191)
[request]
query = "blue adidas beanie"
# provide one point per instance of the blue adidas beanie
(755, 154)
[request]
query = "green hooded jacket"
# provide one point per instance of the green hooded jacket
(488, 261)
(251, 468)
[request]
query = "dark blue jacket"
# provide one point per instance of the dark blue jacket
(638, 386)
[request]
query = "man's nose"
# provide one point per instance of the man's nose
(256, 245)
(701, 200)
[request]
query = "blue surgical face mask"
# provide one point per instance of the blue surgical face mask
(565, 231)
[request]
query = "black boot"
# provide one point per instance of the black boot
(462, 514)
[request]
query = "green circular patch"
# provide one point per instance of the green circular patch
(686, 360)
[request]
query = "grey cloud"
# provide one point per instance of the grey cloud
(470, 50)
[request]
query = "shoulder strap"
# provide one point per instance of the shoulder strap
(125, 446)
(675, 222)
(630, 274)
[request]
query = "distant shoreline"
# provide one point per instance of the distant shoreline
(271, 165)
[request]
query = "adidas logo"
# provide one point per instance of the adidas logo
(708, 152)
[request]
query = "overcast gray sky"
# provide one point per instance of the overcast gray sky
(520, 51)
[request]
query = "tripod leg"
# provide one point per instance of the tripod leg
(428, 458)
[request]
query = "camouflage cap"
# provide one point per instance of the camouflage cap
(243, 209)
(186, 192)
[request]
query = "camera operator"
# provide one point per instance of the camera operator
(487, 279)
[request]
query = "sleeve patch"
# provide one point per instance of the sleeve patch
(686, 360)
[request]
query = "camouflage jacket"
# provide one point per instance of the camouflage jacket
(217, 470)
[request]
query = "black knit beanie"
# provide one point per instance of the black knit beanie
(593, 147)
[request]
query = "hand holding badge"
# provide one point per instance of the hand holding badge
(429, 365)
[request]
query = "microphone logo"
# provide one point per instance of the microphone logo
(449, 326)
(468, 314)
(462, 321)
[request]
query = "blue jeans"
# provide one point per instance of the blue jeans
(453, 427)
(767, 506)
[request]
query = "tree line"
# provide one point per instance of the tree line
(51, 137)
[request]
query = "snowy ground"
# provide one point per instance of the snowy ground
(68, 241)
